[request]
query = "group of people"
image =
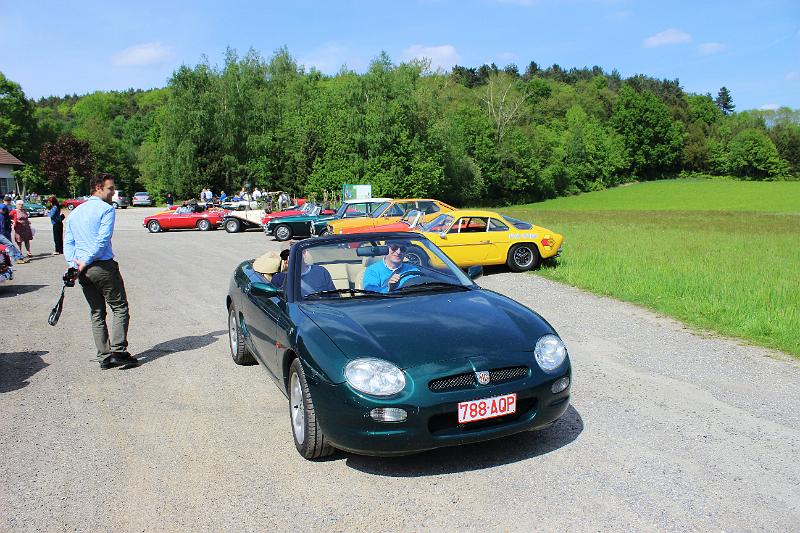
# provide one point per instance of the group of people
(16, 232)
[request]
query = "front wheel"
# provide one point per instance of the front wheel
(70, 207)
(203, 225)
(325, 233)
(523, 257)
(308, 437)
(283, 232)
(232, 225)
(239, 352)
(153, 226)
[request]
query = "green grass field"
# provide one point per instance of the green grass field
(724, 256)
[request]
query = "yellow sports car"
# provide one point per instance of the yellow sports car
(472, 237)
(391, 212)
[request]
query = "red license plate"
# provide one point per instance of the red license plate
(487, 408)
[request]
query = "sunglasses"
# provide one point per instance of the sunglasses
(394, 247)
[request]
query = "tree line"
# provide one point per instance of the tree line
(469, 136)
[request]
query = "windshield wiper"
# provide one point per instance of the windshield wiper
(431, 286)
(336, 292)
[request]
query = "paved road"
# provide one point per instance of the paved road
(669, 429)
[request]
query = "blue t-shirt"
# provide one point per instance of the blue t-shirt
(376, 276)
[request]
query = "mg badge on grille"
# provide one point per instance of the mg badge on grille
(483, 377)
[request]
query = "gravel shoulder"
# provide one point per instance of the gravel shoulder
(669, 428)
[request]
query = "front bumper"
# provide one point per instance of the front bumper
(432, 422)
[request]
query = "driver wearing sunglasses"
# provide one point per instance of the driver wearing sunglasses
(383, 275)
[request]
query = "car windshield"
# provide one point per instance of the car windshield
(440, 223)
(360, 267)
(519, 224)
(379, 209)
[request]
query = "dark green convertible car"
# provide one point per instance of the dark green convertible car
(379, 355)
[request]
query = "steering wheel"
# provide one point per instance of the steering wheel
(407, 274)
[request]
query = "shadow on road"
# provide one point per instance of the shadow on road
(17, 367)
(478, 456)
(8, 291)
(181, 344)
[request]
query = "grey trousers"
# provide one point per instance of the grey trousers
(102, 284)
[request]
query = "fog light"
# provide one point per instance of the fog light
(560, 385)
(388, 414)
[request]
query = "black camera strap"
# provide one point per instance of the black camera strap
(55, 314)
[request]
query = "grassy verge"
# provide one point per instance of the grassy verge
(731, 271)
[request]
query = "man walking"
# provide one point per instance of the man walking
(87, 247)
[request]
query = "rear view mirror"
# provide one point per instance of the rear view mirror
(443, 235)
(474, 272)
(372, 251)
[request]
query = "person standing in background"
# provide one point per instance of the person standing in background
(170, 200)
(87, 247)
(21, 225)
(57, 220)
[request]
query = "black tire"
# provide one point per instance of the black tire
(416, 256)
(312, 444)
(325, 233)
(153, 226)
(203, 225)
(283, 232)
(115, 205)
(522, 257)
(239, 353)
(70, 207)
(232, 225)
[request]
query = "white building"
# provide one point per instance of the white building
(8, 163)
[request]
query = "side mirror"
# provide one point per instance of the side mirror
(258, 288)
(443, 235)
(474, 272)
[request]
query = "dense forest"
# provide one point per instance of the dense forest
(469, 136)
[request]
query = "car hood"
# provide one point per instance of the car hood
(413, 330)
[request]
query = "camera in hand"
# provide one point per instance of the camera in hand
(69, 277)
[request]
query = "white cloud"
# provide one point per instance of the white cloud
(507, 57)
(142, 55)
(444, 56)
(667, 37)
(769, 107)
(331, 57)
(707, 49)
(792, 76)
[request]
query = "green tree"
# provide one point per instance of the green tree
(753, 155)
(76, 182)
(18, 127)
(653, 140)
(724, 101)
(30, 178)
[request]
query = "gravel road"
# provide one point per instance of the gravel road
(669, 428)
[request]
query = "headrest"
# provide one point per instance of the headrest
(269, 263)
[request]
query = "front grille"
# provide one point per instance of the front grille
(468, 379)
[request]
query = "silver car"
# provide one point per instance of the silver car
(142, 199)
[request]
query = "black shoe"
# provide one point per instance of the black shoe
(119, 359)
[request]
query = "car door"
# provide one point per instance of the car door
(261, 315)
(467, 241)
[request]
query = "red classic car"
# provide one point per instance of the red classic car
(292, 211)
(72, 203)
(185, 218)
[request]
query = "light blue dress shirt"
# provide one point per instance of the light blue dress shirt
(87, 233)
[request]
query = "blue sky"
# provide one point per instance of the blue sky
(68, 46)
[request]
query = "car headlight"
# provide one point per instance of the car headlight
(550, 352)
(375, 377)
